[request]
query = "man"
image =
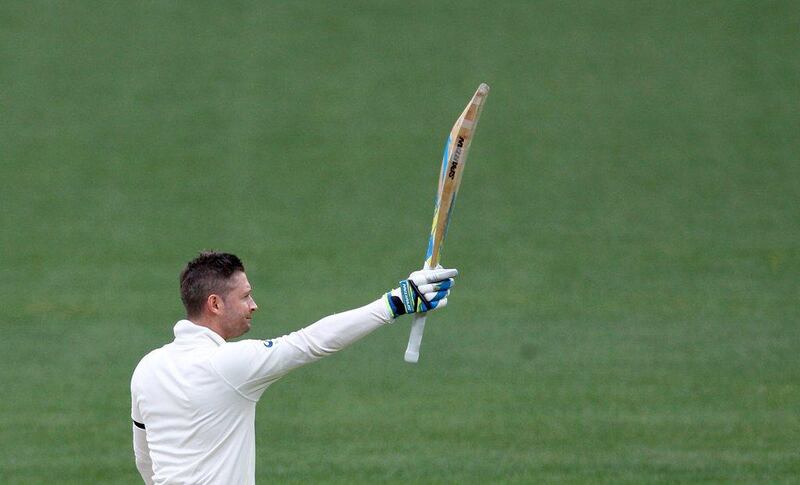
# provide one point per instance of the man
(193, 400)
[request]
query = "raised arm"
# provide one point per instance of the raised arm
(250, 366)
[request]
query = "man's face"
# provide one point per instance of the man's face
(238, 307)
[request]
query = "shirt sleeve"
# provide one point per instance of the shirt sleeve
(250, 366)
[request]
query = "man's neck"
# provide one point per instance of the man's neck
(210, 324)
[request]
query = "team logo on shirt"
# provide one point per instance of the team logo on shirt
(268, 343)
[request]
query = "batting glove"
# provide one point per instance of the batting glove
(423, 291)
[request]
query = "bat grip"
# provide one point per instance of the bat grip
(417, 328)
(415, 338)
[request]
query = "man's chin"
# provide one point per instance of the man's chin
(243, 329)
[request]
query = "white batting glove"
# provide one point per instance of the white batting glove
(423, 291)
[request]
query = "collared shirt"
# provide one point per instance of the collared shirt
(193, 400)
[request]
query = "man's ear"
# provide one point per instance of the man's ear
(214, 304)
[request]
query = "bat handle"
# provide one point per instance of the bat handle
(417, 326)
(415, 339)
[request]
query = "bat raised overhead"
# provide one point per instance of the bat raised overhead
(453, 161)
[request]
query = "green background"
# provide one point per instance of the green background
(627, 231)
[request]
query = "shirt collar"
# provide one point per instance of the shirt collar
(188, 331)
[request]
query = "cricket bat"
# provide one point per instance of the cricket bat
(453, 160)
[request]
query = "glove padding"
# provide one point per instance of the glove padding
(423, 291)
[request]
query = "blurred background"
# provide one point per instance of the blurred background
(627, 230)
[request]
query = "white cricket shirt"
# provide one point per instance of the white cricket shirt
(196, 397)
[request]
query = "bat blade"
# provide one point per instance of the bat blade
(450, 173)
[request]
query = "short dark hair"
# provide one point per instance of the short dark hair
(207, 274)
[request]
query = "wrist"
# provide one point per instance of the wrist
(395, 304)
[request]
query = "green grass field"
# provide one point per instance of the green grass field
(627, 231)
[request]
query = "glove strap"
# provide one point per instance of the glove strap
(423, 305)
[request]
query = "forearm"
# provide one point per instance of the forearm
(337, 331)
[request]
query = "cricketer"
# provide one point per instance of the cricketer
(193, 400)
